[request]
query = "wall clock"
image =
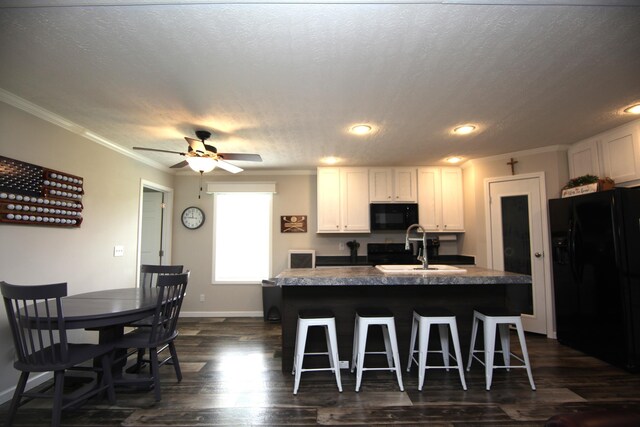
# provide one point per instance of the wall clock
(192, 217)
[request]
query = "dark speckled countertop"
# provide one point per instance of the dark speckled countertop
(370, 276)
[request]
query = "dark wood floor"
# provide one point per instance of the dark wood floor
(232, 376)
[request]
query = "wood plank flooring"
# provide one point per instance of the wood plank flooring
(233, 377)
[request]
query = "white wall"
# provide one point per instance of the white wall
(551, 160)
(83, 256)
(296, 195)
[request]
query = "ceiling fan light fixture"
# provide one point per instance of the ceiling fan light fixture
(201, 164)
(464, 129)
(633, 109)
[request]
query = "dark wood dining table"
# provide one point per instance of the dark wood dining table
(108, 311)
(108, 308)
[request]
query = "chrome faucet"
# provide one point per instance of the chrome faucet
(422, 252)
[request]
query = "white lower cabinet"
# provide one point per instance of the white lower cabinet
(440, 201)
(343, 200)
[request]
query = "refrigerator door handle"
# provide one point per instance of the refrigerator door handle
(572, 250)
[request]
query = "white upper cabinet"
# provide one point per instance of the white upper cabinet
(440, 199)
(584, 159)
(390, 185)
(614, 154)
(343, 200)
(621, 153)
(328, 199)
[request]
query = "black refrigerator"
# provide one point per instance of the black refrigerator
(596, 274)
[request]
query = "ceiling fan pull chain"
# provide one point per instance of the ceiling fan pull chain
(199, 192)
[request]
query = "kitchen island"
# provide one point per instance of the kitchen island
(344, 289)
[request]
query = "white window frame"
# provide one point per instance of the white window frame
(241, 187)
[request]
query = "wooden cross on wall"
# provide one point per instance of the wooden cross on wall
(512, 163)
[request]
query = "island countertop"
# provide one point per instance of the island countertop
(371, 276)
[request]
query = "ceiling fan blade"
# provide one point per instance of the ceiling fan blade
(228, 166)
(180, 165)
(196, 145)
(241, 156)
(159, 151)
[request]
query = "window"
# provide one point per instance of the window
(242, 237)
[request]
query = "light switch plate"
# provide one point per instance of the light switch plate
(118, 250)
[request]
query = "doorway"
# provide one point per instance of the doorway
(154, 224)
(151, 251)
(517, 240)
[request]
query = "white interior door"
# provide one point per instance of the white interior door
(517, 225)
(151, 237)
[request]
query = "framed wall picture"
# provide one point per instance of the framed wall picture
(293, 224)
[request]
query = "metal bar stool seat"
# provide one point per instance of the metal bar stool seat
(423, 318)
(311, 318)
(500, 319)
(383, 317)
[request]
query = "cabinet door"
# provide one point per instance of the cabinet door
(380, 185)
(405, 185)
(584, 159)
(452, 203)
(429, 198)
(328, 187)
(354, 196)
(621, 154)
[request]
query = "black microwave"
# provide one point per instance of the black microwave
(393, 216)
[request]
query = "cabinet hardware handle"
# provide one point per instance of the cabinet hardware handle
(537, 254)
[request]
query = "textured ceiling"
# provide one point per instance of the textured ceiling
(287, 80)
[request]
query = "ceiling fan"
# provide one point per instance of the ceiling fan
(203, 158)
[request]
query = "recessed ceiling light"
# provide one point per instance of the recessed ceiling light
(633, 109)
(330, 160)
(464, 129)
(454, 159)
(360, 129)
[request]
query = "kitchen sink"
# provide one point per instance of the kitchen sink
(417, 269)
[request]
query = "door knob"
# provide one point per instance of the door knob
(537, 254)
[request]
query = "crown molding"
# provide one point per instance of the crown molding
(534, 151)
(254, 172)
(44, 114)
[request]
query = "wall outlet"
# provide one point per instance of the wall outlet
(344, 364)
(118, 250)
(341, 246)
(201, 297)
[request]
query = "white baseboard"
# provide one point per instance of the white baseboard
(34, 381)
(221, 314)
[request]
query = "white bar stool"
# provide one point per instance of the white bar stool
(423, 318)
(502, 319)
(369, 317)
(307, 319)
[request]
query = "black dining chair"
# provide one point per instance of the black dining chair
(163, 330)
(35, 315)
(149, 274)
